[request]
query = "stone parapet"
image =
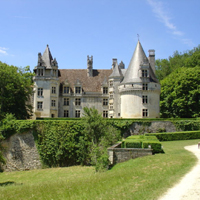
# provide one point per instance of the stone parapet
(118, 154)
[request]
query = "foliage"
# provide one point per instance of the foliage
(178, 60)
(15, 91)
(100, 136)
(180, 94)
(182, 135)
(2, 159)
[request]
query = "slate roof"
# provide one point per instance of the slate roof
(89, 84)
(132, 72)
(47, 57)
(116, 72)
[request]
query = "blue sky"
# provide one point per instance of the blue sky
(105, 29)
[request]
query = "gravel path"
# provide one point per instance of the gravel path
(189, 186)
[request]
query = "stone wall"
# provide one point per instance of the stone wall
(118, 154)
(21, 153)
(150, 127)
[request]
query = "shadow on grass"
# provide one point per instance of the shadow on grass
(4, 184)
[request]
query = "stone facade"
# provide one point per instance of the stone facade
(116, 93)
(21, 153)
(117, 154)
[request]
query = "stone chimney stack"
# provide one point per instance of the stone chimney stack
(90, 66)
(152, 59)
(114, 63)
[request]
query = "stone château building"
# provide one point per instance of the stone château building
(116, 93)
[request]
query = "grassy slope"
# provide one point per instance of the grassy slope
(142, 178)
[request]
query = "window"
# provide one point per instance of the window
(145, 99)
(77, 101)
(54, 72)
(52, 115)
(53, 90)
(144, 73)
(111, 106)
(105, 90)
(144, 86)
(78, 90)
(53, 103)
(66, 90)
(77, 113)
(111, 95)
(40, 91)
(105, 113)
(39, 105)
(105, 102)
(66, 113)
(145, 112)
(66, 101)
(40, 72)
(111, 83)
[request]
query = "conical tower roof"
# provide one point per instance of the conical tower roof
(47, 57)
(138, 58)
(116, 72)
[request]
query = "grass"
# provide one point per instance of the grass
(138, 179)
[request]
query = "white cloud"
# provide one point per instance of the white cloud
(3, 50)
(163, 16)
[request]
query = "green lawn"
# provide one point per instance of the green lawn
(142, 178)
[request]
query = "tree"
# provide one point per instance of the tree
(180, 93)
(15, 91)
(98, 136)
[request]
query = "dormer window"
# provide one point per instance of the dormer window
(144, 73)
(78, 90)
(105, 90)
(66, 90)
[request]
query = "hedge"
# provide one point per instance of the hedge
(182, 135)
(155, 145)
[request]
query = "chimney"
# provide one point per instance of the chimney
(90, 66)
(152, 59)
(114, 62)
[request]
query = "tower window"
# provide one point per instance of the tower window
(105, 102)
(40, 72)
(144, 86)
(144, 73)
(145, 112)
(78, 90)
(40, 91)
(53, 103)
(111, 83)
(77, 113)
(66, 101)
(105, 90)
(111, 106)
(53, 90)
(77, 101)
(145, 99)
(111, 95)
(39, 105)
(105, 114)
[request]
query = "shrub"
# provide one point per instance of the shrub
(182, 135)
(155, 145)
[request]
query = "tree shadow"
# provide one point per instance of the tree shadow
(7, 183)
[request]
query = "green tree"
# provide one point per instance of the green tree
(15, 91)
(180, 93)
(99, 136)
(2, 160)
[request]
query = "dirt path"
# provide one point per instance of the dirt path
(189, 186)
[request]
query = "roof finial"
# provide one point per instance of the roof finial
(138, 37)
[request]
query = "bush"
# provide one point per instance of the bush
(155, 145)
(182, 135)
(132, 143)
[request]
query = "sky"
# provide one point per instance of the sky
(106, 29)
